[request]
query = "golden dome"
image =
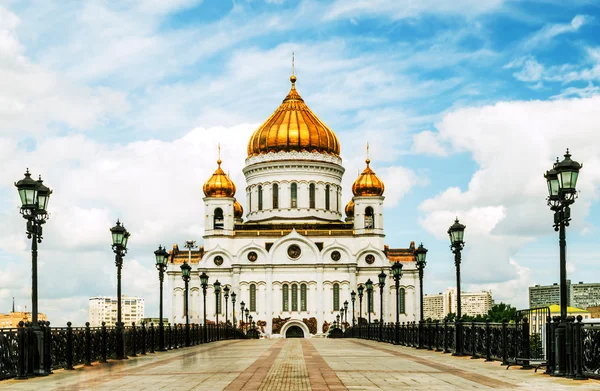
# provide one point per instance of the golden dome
(219, 185)
(293, 127)
(238, 211)
(367, 183)
(350, 209)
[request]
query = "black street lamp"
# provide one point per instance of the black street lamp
(360, 290)
(34, 197)
(233, 295)
(353, 299)
(247, 312)
(562, 192)
(342, 316)
(243, 325)
(161, 264)
(421, 254)
(346, 312)
(369, 285)
(381, 277)
(204, 284)
(226, 296)
(186, 270)
(120, 237)
(217, 286)
(397, 274)
(456, 233)
(337, 317)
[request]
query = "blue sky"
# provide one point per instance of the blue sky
(465, 104)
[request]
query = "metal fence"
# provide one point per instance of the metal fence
(525, 341)
(67, 347)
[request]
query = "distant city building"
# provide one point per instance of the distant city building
(582, 295)
(155, 321)
(594, 311)
(13, 318)
(472, 303)
(104, 309)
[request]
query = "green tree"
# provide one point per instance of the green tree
(501, 311)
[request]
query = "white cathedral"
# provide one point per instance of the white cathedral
(292, 258)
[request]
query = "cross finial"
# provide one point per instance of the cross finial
(292, 63)
(219, 154)
(293, 77)
(368, 160)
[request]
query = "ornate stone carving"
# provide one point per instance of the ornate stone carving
(278, 324)
(293, 155)
(325, 327)
(370, 259)
(252, 256)
(311, 323)
(335, 255)
(218, 260)
(294, 251)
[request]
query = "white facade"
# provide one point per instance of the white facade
(293, 247)
(104, 309)
(472, 303)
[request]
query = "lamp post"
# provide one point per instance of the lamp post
(247, 312)
(562, 192)
(353, 299)
(233, 295)
(360, 290)
(242, 305)
(204, 284)
(226, 296)
(397, 274)
(341, 314)
(120, 237)
(456, 233)
(185, 275)
(346, 312)
(337, 317)
(369, 285)
(420, 254)
(161, 265)
(34, 197)
(217, 287)
(381, 277)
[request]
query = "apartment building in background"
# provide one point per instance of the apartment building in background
(472, 303)
(104, 309)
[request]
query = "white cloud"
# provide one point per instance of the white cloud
(550, 31)
(530, 69)
(427, 143)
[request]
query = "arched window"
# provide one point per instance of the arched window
(303, 297)
(402, 300)
(218, 219)
(285, 294)
(336, 297)
(294, 195)
(260, 204)
(327, 197)
(253, 297)
(294, 297)
(369, 218)
(275, 196)
(311, 195)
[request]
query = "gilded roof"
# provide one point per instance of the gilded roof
(400, 254)
(293, 127)
(238, 211)
(219, 184)
(179, 257)
(350, 209)
(367, 183)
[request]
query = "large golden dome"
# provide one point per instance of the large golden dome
(367, 183)
(219, 185)
(350, 209)
(238, 211)
(293, 127)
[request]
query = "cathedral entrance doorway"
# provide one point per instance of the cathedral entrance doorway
(294, 332)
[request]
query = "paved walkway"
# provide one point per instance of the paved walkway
(298, 364)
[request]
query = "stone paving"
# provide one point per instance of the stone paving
(297, 365)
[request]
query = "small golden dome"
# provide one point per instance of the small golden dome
(219, 185)
(293, 127)
(367, 183)
(350, 209)
(238, 211)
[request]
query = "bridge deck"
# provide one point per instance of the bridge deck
(298, 364)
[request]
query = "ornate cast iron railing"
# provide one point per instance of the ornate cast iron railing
(67, 347)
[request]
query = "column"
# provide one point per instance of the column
(320, 314)
(269, 299)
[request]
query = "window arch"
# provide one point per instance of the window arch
(369, 218)
(311, 195)
(260, 197)
(327, 197)
(218, 219)
(285, 295)
(303, 297)
(253, 297)
(294, 195)
(402, 300)
(336, 297)
(294, 297)
(275, 196)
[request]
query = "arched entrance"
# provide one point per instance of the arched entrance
(294, 332)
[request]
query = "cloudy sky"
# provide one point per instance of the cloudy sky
(120, 105)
